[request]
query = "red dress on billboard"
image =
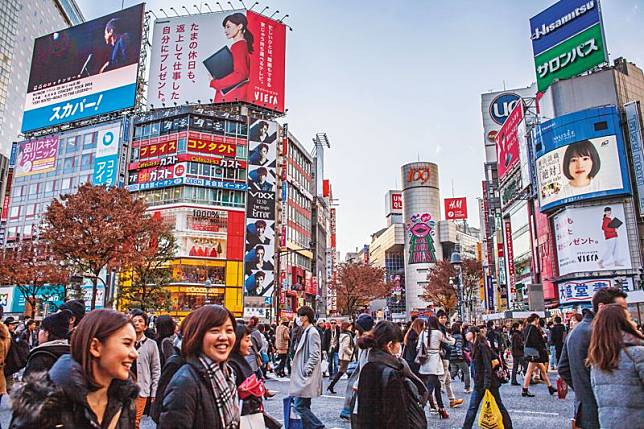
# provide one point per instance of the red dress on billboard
(241, 73)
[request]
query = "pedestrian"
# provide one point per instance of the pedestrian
(445, 353)
(537, 357)
(255, 358)
(166, 335)
(575, 319)
(518, 360)
(89, 388)
(202, 394)
(306, 372)
(363, 324)
(325, 341)
(382, 391)
(457, 359)
(432, 368)
(53, 343)
(29, 333)
(77, 308)
(334, 347)
(281, 347)
(557, 334)
(572, 365)
(485, 360)
(5, 343)
(552, 363)
(411, 344)
(345, 353)
(147, 368)
(616, 359)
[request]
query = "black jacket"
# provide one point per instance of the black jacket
(189, 401)
(410, 352)
(534, 339)
(484, 377)
(59, 399)
(517, 343)
(242, 370)
(43, 357)
(325, 338)
(557, 333)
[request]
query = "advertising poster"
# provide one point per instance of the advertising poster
(507, 141)
(218, 57)
(36, 156)
(592, 239)
(259, 258)
(455, 208)
(107, 154)
(576, 291)
(421, 229)
(84, 71)
(634, 124)
(582, 157)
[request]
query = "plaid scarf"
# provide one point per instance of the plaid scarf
(222, 380)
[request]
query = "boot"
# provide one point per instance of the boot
(526, 394)
(552, 390)
(442, 413)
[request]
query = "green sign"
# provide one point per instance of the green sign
(571, 57)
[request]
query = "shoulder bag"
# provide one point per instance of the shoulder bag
(421, 356)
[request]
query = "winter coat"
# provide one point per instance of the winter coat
(534, 339)
(325, 338)
(239, 365)
(43, 357)
(434, 364)
(148, 368)
(306, 371)
(572, 368)
(557, 333)
(334, 339)
(409, 351)
(620, 392)
(189, 401)
(446, 347)
(517, 344)
(5, 343)
(281, 339)
(484, 377)
(59, 399)
(457, 350)
(346, 346)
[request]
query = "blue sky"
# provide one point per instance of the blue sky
(394, 81)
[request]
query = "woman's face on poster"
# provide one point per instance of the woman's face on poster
(231, 30)
(580, 167)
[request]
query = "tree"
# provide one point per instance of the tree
(357, 284)
(441, 291)
(34, 271)
(143, 281)
(95, 228)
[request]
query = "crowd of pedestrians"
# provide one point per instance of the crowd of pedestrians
(106, 369)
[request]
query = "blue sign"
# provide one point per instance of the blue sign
(206, 183)
(14, 153)
(502, 105)
(633, 122)
(581, 156)
(107, 151)
(561, 21)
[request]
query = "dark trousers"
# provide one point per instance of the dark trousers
(433, 386)
(558, 350)
(516, 362)
(283, 357)
(303, 409)
(475, 402)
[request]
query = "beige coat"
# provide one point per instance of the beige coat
(281, 339)
(5, 343)
(306, 371)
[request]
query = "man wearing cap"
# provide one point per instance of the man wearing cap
(53, 342)
(77, 309)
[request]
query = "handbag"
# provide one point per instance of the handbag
(562, 388)
(252, 421)
(500, 371)
(421, 356)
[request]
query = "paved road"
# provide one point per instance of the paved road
(542, 411)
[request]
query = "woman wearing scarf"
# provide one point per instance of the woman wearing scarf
(202, 394)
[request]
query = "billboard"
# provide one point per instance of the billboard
(581, 156)
(592, 239)
(259, 258)
(84, 71)
(507, 141)
(455, 208)
(107, 154)
(393, 203)
(218, 57)
(634, 124)
(422, 231)
(36, 156)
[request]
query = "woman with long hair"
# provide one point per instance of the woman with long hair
(89, 387)
(363, 325)
(430, 342)
(616, 360)
(484, 361)
(234, 86)
(381, 386)
(346, 347)
(535, 342)
(411, 342)
(166, 333)
(202, 393)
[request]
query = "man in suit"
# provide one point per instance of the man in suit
(306, 372)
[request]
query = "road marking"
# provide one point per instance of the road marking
(534, 412)
(334, 397)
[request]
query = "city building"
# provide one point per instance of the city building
(21, 22)
(320, 223)
(4, 178)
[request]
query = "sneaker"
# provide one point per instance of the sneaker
(433, 410)
(468, 390)
(455, 403)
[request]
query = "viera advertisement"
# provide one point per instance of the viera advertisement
(218, 57)
(259, 259)
(581, 156)
(84, 71)
(592, 239)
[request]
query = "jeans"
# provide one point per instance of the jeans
(433, 386)
(475, 401)
(465, 369)
(553, 357)
(518, 361)
(303, 409)
(283, 357)
(334, 362)
(446, 379)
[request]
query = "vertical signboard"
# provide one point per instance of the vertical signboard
(455, 208)
(509, 253)
(259, 259)
(107, 153)
(507, 142)
(634, 124)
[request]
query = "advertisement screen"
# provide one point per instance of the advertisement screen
(84, 71)
(455, 208)
(218, 57)
(581, 156)
(422, 235)
(507, 141)
(37, 156)
(107, 152)
(592, 239)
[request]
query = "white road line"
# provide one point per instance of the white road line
(533, 412)
(334, 397)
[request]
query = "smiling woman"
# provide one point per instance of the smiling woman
(202, 394)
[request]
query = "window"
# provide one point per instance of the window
(86, 161)
(89, 141)
(73, 144)
(65, 184)
(27, 231)
(241, 151)
(30, 210)
(33, 191)
(12, 233)
(14, 212)
(68, 165)
(193, 168)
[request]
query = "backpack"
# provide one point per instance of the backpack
(171, 366)
(415, 403)
(16, 357)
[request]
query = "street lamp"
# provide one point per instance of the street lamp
(456, 262)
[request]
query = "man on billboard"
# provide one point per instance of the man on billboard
(581, 163)
(259, 155)
(255, 259)
(610, 255)
(253, 284)
(255, 233)
(120, 42)
(260, 180)
(259, 133)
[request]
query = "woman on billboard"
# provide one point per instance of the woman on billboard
(610, 256)
(581, 164)
(234, 85)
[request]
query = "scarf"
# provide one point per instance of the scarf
(223, 386)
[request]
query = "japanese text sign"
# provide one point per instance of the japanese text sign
(507, 141)
(106, 162)
(37, 156)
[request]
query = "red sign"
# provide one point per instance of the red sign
(332, 225)
(212, 147)
(157, 173)
(156, 150)
(507, 141)
(5, 203)
(309, 288)
(326, 188)
(455, 208)
(396, 201)
(420, 174)
(510, 252)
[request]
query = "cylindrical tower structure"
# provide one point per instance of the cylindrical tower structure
(421, 213)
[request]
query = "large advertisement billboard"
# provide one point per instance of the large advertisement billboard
(84, 71)
(507, 141)
(107, 156)
(37, 156)
(581, 156)
(592, 239)
(456, 208)
(218, 57)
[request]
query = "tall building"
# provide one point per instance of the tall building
(21, 21)
(320, 223)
